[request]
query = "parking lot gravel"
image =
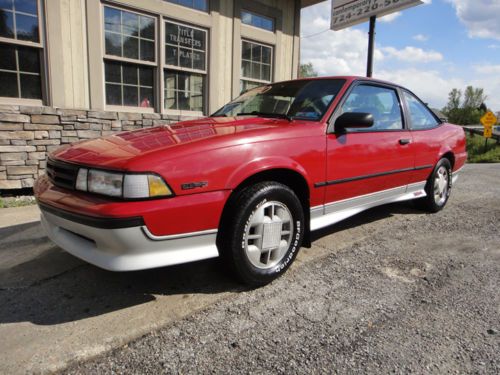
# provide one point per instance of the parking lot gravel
(421, 294)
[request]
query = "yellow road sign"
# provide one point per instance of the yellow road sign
(489, 119)
(488, 131)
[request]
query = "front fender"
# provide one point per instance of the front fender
(264, 164)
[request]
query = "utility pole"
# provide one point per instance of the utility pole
(371, 46)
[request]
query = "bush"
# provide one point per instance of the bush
(17, 201)
(477, 153)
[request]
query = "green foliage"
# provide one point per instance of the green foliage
(21, 201)
(476, 151)
(454, 99)
(466, 111)
(307, 70)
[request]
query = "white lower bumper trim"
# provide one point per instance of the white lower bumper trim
(127, 249)
(177, 236)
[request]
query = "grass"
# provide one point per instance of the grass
(21, 201)
(477, 153)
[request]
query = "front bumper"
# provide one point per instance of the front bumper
(120, 247)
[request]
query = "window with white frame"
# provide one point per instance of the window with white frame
(130, 58)
(21, 49)
(256, 65)
(185, 67)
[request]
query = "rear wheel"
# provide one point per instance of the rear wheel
(438, 188)
(263, 233)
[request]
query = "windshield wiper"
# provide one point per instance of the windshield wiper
(263, 114)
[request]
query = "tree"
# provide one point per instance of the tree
(454, 99)
(468, 111)
(473, 98)
(307, 70)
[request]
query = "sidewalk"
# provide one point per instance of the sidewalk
(19, 215)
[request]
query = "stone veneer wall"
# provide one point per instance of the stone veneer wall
(28, 134)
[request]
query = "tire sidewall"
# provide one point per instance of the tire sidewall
(430, 190)
(279, 193)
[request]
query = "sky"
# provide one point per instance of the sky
(430, 49)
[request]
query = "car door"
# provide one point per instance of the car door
(426, 134)
(380, 159)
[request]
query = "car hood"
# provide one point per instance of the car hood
(118, 150)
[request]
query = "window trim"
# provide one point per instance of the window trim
(176, 67)
(161, 15)
(42, 49)
(9, 100)
(185, 111)
(125, 60)
(255, 80)
(271, 70)
(41, 30)
(24, 43)
(164, 67)
(336, 113)
(122, 84)
(121, 58)
(125, 108)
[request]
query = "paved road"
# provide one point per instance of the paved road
(393, 289)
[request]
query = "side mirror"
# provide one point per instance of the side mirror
(353, 120)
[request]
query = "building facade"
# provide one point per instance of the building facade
(76, 69)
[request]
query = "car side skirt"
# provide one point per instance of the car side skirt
(454, 175)
(331, 213)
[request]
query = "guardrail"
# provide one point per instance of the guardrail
(478, 129)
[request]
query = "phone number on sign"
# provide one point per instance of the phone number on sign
(345, 14)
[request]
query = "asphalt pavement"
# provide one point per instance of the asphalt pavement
(390, 290)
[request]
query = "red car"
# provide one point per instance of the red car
(251, 181)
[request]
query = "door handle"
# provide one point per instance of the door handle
(404, 141)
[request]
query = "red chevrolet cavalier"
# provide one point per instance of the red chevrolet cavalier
(250, 182)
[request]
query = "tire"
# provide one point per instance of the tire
(438, 188)
(262, 233)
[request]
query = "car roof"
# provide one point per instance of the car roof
(347, 78)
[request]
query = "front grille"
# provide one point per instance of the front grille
(62, 174)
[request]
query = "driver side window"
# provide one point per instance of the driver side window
(381, 102)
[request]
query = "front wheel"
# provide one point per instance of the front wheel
(263, 233)
(438, 188)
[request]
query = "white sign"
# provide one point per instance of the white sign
(347, 13)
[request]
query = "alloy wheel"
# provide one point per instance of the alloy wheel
(441, 185)
(268, 235)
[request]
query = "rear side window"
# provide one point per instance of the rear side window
(420, 116)
(381, 102)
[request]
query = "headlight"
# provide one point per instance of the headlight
(123, 185)
(105, 183)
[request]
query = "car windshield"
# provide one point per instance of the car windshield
(302, 99)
